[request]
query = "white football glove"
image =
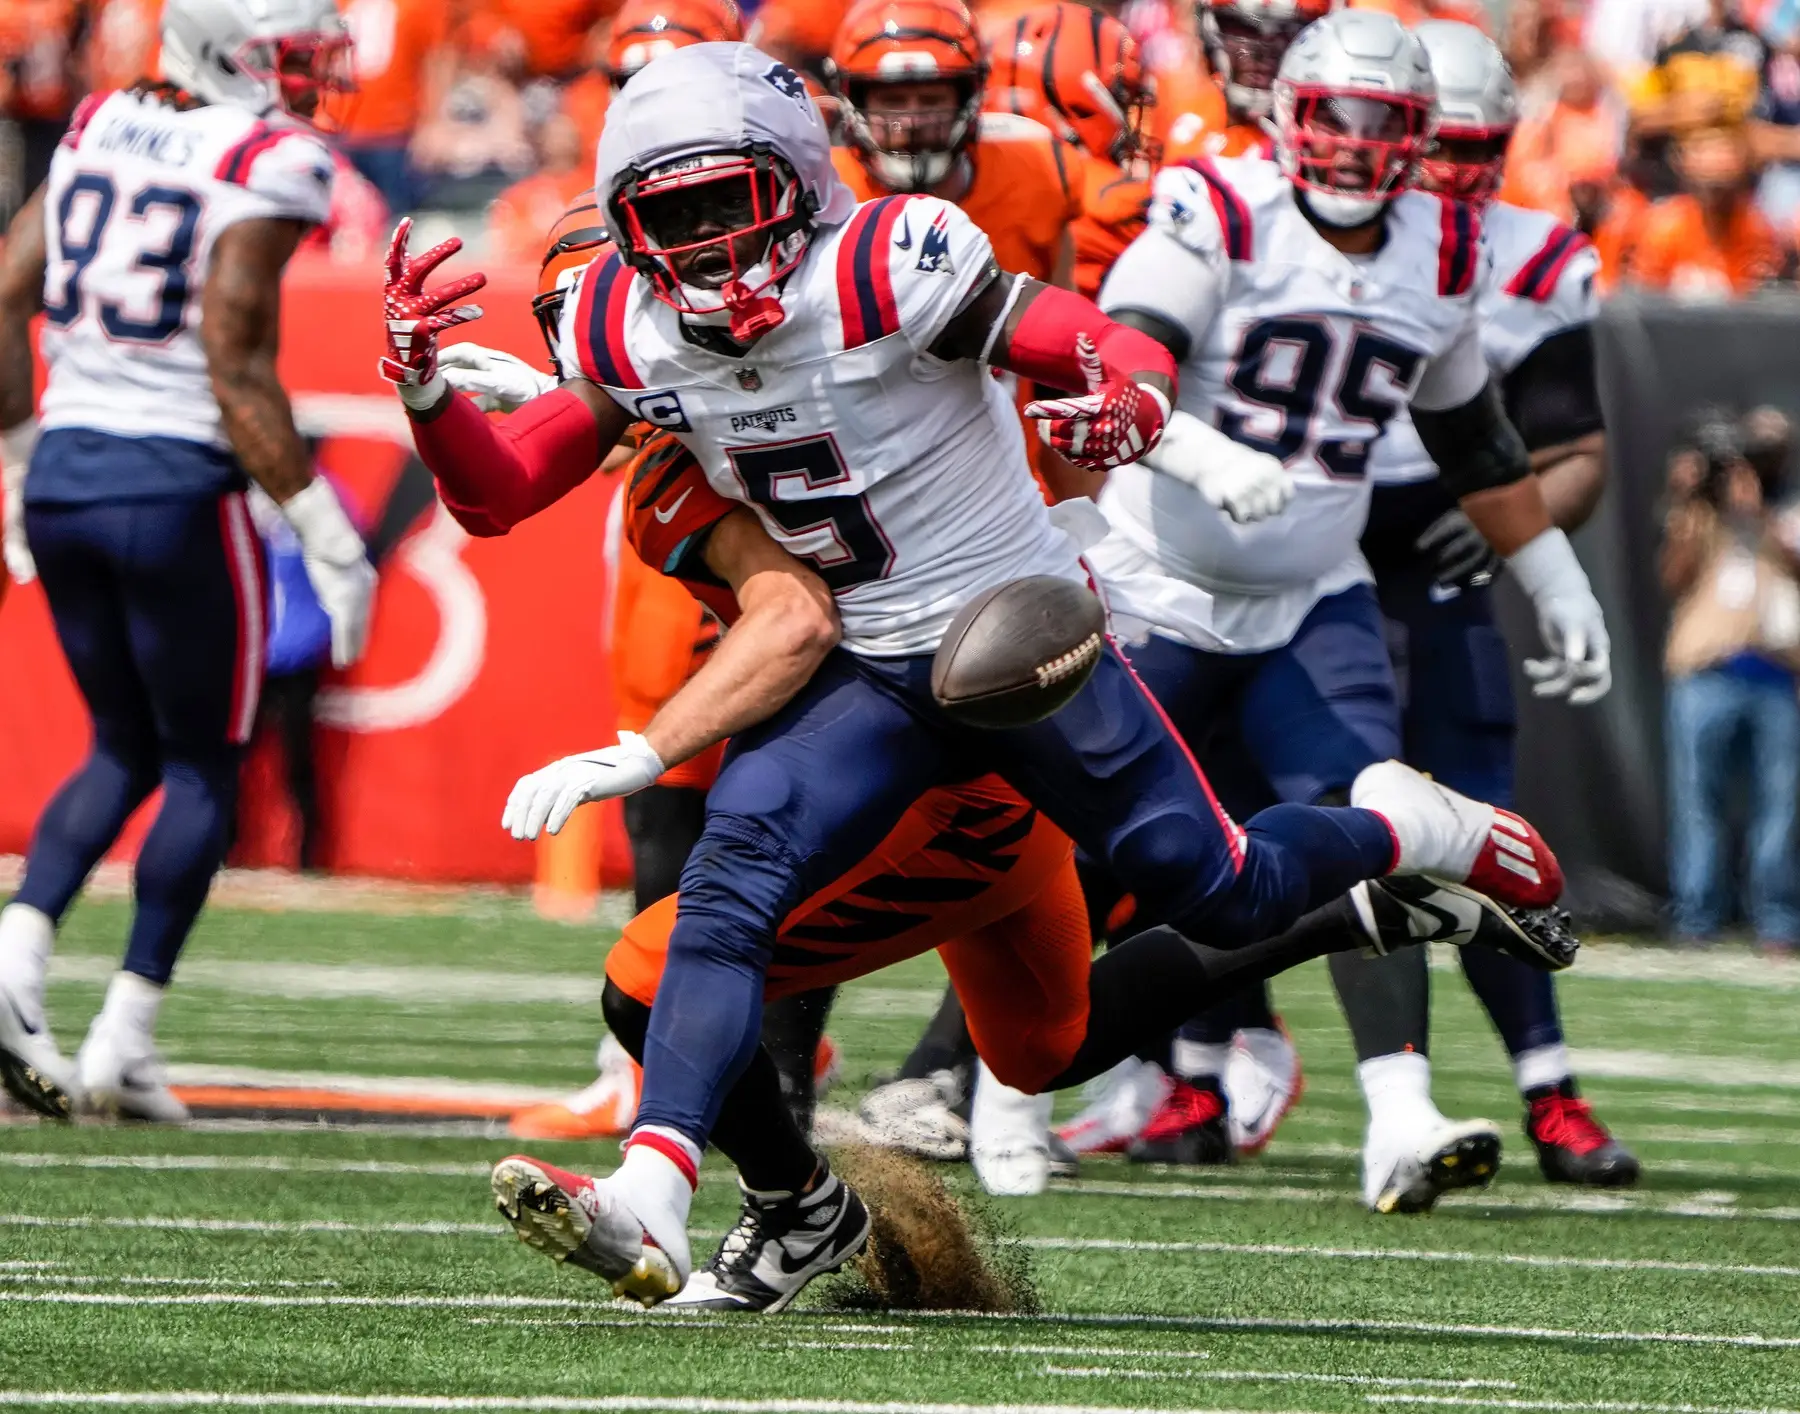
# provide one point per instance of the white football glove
(495, 381)
(336, 564)
(1569, 620)
(15, 460)
(1246, 484)
(546, 799)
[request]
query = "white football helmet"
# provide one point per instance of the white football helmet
(261, 55)
(714, 167)
(1478, 108)
(1246, 41)
(1355, 109)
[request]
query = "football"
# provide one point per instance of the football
(1016, 653)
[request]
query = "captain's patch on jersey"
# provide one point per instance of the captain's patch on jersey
(663, 410)
(934, 249)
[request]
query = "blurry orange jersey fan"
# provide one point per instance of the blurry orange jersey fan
(646, 29)
(1245, 42)
(1008, 919)
(1080, 71)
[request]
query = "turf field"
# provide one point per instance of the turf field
(282, 1266)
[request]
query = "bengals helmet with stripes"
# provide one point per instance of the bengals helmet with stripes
(575, 240)
(646, 29)
(1085, 68)
(887, 53)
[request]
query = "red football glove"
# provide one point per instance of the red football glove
(415, 317)
(1115, 423)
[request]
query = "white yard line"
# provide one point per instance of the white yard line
(834, 1345)
(1634, 962)
(244, 1163)
(259, 1227)
(1391, 1254)
(54, 1279)
(1596, 1406)
(1306, 1377)
(565, 1404)
(1090, 1351)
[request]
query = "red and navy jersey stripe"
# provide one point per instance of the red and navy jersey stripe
(865, 273)
(1459, 248)
(600, 324)
(84, 114)
(1537, 277)
(235, 165)
(1233, 211)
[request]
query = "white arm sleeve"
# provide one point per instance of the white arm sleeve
(1456, 375)
(1160, 275)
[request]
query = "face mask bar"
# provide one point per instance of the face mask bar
(1476, 181)
(313, 75)
(1388, 133)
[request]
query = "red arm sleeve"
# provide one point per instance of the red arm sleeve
(1042, 347)
(494, 474)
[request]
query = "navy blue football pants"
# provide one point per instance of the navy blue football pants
(807, 794)
(159, 608)
(1459, 720)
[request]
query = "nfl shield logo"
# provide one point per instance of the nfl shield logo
(749, 380)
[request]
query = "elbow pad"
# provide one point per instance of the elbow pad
(1474, 446)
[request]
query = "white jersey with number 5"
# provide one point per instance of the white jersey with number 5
(138, 193)
(901, 477)
(1299, 351)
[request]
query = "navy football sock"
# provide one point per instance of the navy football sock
(182, 852)
(80, 824)
(1520, 999)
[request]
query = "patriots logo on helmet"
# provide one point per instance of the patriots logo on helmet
(934, 249)
(788, 84)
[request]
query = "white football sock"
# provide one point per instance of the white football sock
(132, 1003)
(659, 1193)
(1542, 1065)
(26, 938)
(1397, 1090)
(1200, 1060)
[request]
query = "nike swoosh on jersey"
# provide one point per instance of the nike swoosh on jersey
(904, 239)
(666, 516)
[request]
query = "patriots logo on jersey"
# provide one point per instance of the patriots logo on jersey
(934, 249)
(789, 85)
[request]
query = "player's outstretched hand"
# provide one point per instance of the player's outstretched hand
(1115, 422)
(1246, 484)
(416, 316)
(336, 566)
(545, 799)
(494, 381)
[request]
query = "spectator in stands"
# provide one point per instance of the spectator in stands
(520, 219)
(1777, 136)
(543, 39)
(1730, 564)
(1574, 135)
(37, 84)
(404, 65)
(121, 43)
(1710, 241)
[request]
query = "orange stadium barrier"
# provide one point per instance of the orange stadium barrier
(486, 658)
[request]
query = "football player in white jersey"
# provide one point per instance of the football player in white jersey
(827, 364)
(1310, 301)
(1432, 569)
(155, 250)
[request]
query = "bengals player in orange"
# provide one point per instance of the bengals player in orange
(642, 30)
(1080, 71)
(1245, 41)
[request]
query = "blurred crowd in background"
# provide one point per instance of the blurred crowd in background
(1668, 130)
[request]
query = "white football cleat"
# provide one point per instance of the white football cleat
(1009, 1138)
(1119, 1105)
(122, 1077)
(1440, 831)
(1406, 1170)
(1263, 1081)
(915, 1117)
(33, 1071)
(570, 1217)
